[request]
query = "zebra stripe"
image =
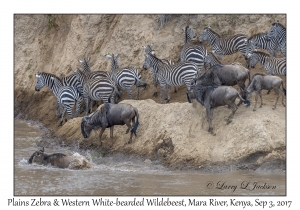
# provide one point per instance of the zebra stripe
(278, 31)
(171, 75)
(96, 89)
(223, 46)
(192, 53)
(125, 78)
(67, 96)
(261, 41)
(271, 65)
(85, 65)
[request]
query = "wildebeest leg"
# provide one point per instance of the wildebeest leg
(111, 135)
(100, 135)
(281, 92)
(261, 101)
(256, 96)
(128, 123)
(233, 107)
(209, 113)
(277, 94)
(242, 87)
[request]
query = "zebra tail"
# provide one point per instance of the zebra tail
(133, 130)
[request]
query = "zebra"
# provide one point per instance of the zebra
(278, 31)
(261, 41)
(192, 53)
(125, 78)
(85, 63)
(148, 49)
(96, 89)
(223, 46)
(271, 65)
(171, 75)
(67, 96)
(85, 67)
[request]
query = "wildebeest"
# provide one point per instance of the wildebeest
(213, 96)
(108, 116)
(264, 82)
(59, 160)
(228, 75)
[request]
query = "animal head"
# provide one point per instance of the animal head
(85, 64)
(40, 82)
(148, 48)
(37, 157)
(273, 30)
(86, 128)
(114, 61)
(204, 34)
(147, 62)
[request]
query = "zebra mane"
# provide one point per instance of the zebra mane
(52, 75)
(212, 31)
(256, 74)
(261, 53)
(257, 34)
(278, 24)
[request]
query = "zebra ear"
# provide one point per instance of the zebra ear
(209, 27)
(152, 52)
(80, 61)
(151, 45)
(117, 55)
(108, 56)
(37, 76)
(89, 58)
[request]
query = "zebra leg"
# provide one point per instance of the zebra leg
(62, 116)
(129, 91)
(162, 90)
(155, 82)
(137, 92)
(168, 93)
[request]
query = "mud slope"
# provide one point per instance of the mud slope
(174, 133)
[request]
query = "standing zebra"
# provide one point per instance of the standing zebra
(171, 75)
(278, 31)
(261, 41)
(271, 65)
(66, 95)
(148, 49)
(96, 89)
(192, 53)
(223, 46)
(125, 78)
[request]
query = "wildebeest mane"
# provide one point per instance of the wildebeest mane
(261, 74)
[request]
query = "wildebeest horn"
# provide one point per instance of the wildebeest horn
(84, 119)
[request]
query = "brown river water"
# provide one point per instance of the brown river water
(120, 175)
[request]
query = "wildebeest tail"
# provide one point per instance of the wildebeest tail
(284, 90)
(244, 100)
(133, 130)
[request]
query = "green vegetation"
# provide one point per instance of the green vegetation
(30, 76)
(29, 65)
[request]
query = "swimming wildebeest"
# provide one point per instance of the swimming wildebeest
(213, 96)
(108, 116)
(228, 75)
(264, 82)
(59, 160)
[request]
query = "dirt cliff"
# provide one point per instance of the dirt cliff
(174, 133)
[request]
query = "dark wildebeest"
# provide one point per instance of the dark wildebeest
(108, 116)
(213, 96)
(227, 75)
(59, 160)
(264, 82)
